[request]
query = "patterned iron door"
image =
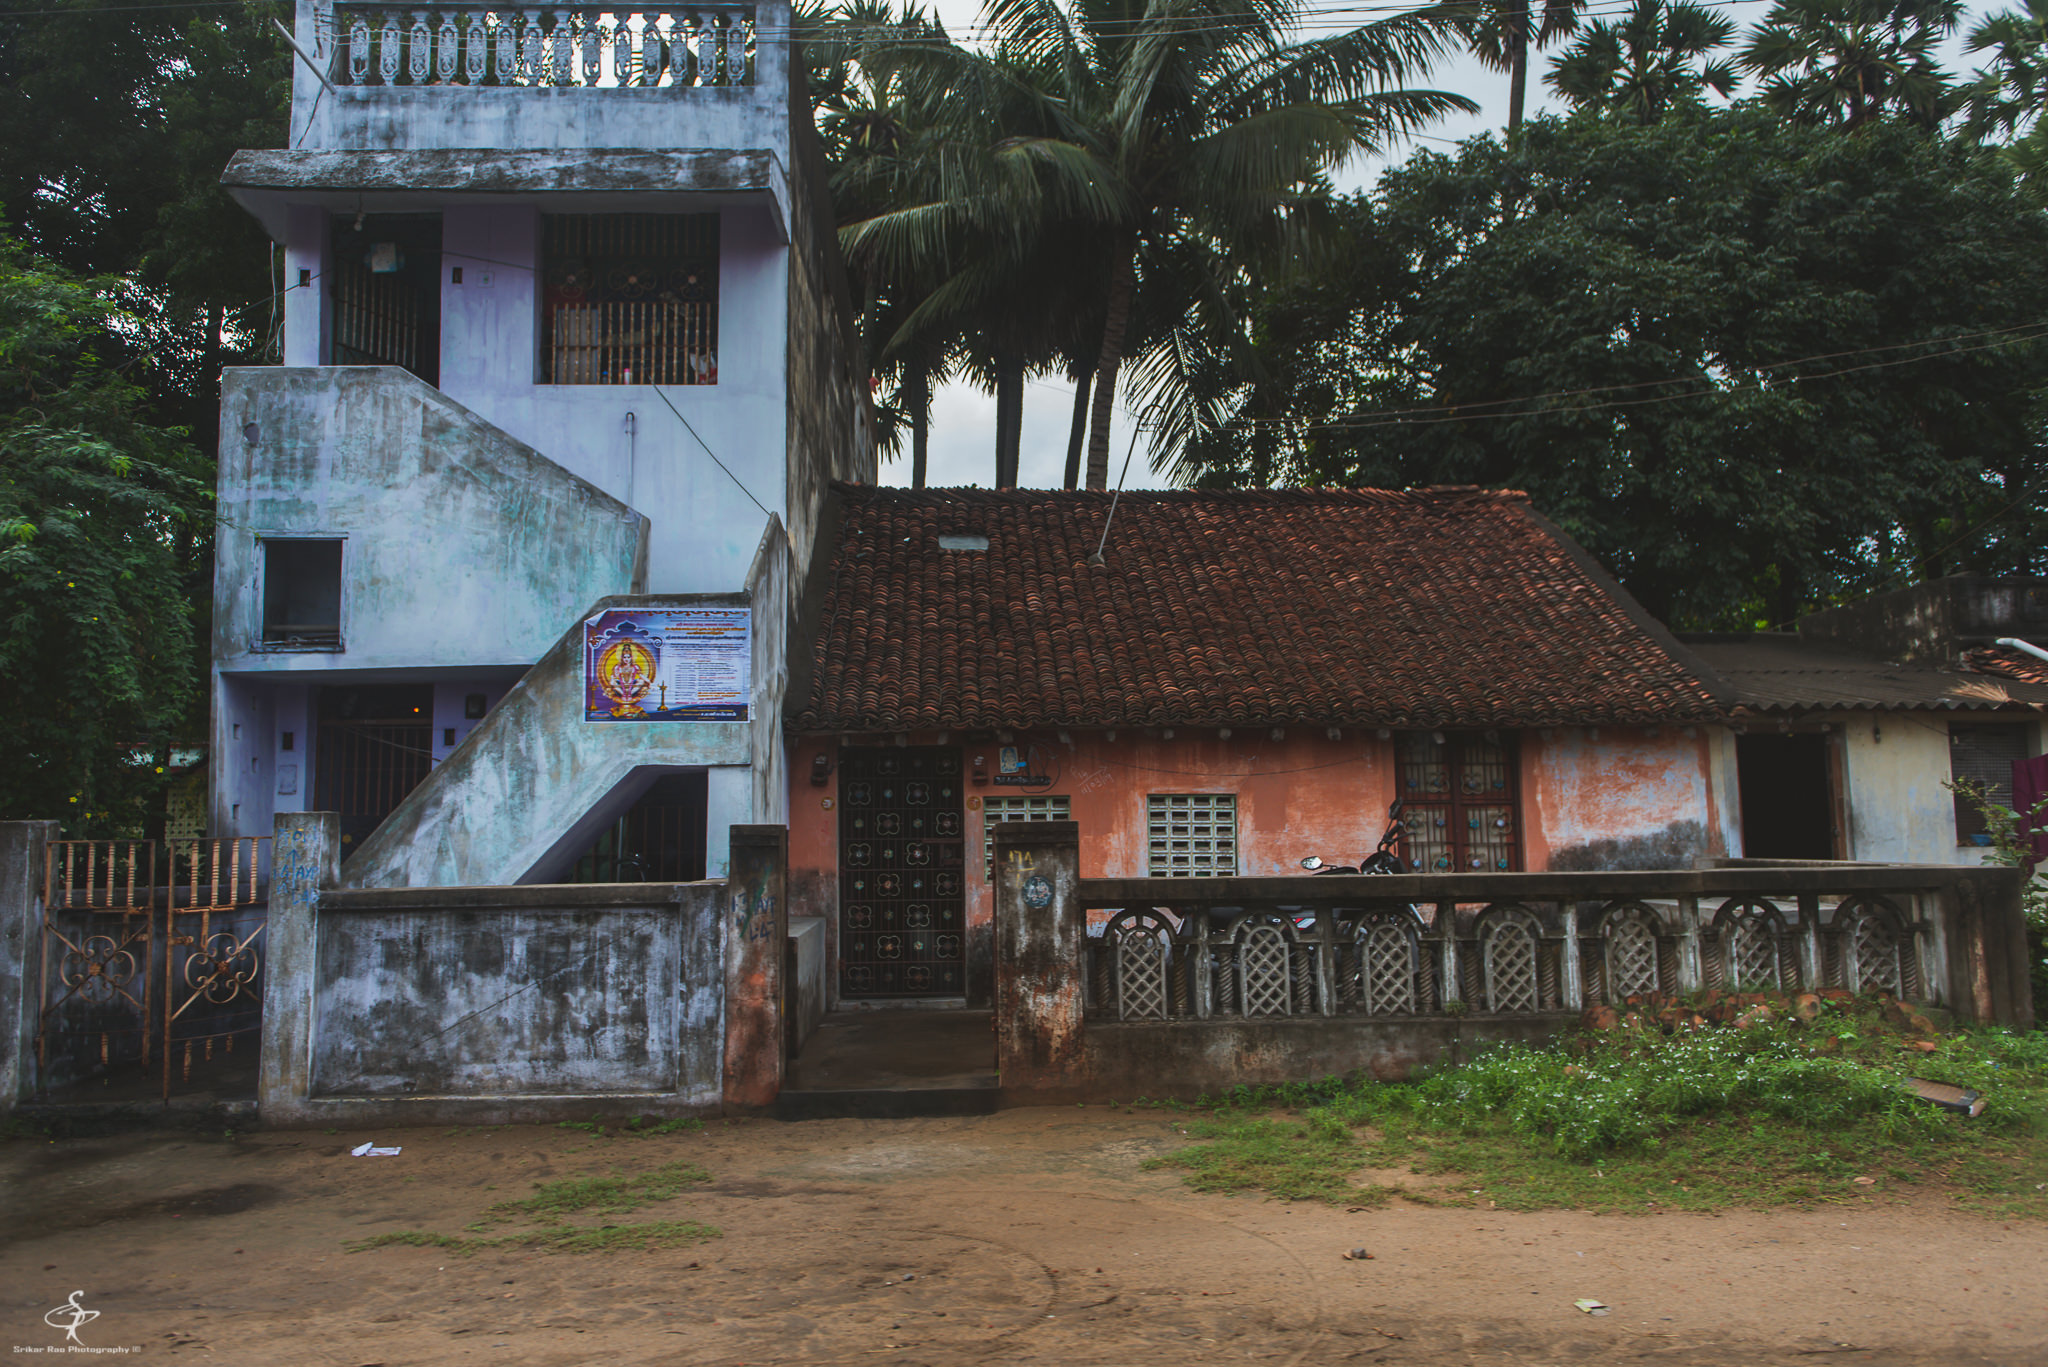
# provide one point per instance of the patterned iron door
(902, 908)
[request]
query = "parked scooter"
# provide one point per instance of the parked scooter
(1381, 860)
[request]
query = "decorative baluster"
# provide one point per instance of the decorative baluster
(532, 50)
(506, 44)
(651, 48)
(421, 50)
(444, 57)
(387, 55)
(564, 72)
(622, 52)
(478, 48)
(707, 50)
(735, 49)
(593, 49)
(680, 61)
(358, 49)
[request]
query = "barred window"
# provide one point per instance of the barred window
(1460, 812)
(999, 809)
(630, 298)
(1191, 835)
(1983, 756)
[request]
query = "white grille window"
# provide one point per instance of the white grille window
(1191, 835)
(998, 809)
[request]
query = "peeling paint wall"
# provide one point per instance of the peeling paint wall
(1618, 796)
(551, 992)
(1895, 765)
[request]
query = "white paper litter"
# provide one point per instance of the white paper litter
(372, 1151)
(1591, 1307)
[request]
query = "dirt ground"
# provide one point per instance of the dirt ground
(1029, 1236)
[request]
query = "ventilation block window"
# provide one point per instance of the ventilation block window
(302, 595)
(1191, 835)
(1459, 809)
(630, 298)
(995, 810)
(1983, 756)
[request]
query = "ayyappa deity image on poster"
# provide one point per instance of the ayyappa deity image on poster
(667, 664)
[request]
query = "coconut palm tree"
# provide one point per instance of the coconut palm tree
(1102, 133)
(1502, 33)
(1846, 61)
(1660, 54)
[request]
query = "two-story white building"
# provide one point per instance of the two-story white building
(564, 321)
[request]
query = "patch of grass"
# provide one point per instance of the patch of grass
(1637, 1120)
(553, 1203)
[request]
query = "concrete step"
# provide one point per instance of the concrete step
(979, 1097)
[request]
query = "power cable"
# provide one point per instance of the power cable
(709, 452)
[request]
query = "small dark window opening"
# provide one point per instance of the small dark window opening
(1983, 756)
(629, 298)
(302, 595)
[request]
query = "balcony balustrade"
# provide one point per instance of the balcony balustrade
(590, 47)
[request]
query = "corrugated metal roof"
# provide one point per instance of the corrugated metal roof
(1781, 673)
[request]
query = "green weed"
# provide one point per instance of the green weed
(1638, 1120)
(553, 1203)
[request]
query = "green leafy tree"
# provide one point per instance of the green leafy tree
(1755, 367)
(1659, 55)
(1847, 61)
(96, 653)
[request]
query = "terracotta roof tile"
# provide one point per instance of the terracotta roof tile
(1446, 607)
(2003, 660)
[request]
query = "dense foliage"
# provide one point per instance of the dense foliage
(96, 650)
(1753, 365)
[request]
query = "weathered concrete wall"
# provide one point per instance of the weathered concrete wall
(21, 948)
(305, 853)
(1894, 765)
(1620, 798)
(1039, 935)
(531, 787)
(803, 979)
(1611, 800)
(602, 991)
(1930, 622)
(460, 116)
(1183, 1060)
(831, 418)
(757, 904)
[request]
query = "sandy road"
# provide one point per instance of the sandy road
(1032, 1236)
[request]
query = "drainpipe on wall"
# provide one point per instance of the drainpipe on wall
(632, 454)
(2011, 644)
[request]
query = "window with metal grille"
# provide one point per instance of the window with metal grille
(999, 809)
(1191, 835)
(630, 298)
(1460, 810)
(1983, 756)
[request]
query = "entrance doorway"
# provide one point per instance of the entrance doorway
(1788, 801)
(902, 877)
(375, 745)
(660, 839)
(384, 292)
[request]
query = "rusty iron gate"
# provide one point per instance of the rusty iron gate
(151, 957)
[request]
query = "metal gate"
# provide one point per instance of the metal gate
(902, 904)
(151, 958)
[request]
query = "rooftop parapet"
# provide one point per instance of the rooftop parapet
(457, 75)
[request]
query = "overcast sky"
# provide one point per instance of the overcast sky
(964, 418)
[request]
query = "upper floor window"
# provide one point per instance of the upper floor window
(1983, 756)
(629, 298)
(1460, 804)
(384, 292)
(301, 594)
(1191, 835)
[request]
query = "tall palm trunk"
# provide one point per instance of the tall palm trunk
(1009, 417)
(918, 390)
(1115, 321)
(1079, 432)
(1518, 69)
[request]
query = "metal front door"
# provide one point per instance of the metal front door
(902, 882)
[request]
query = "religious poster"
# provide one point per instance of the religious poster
(667, 664)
